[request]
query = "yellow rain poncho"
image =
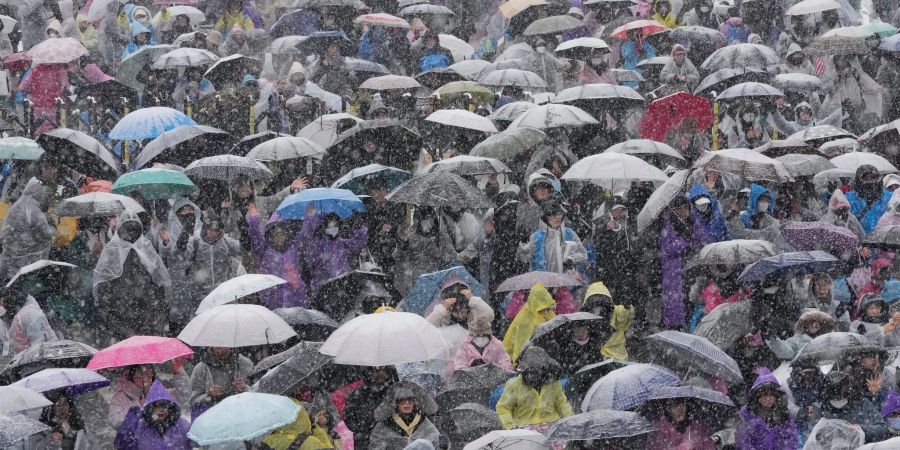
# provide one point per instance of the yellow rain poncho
(284, 437)
(537, 310)
(620, 321)
(522, 405)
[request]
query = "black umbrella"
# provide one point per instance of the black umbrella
(79, 152)
(782, 147)
(876, 139)
(472, 385)
(317, 42)
(440, 189)
(472, 420)
(554, 334)
(437, 77)
(400, 143)
(54, 354)
(835, 346)
(725, 78)
(581, 381)
(229, 65)
(109, 92)
(713, 407)
(342, 294)
(309, 323)
(303, 360)
(185, 144)
(248, 142)
(600, 424)
(887, 238)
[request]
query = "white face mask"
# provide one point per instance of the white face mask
(427, 225)
(763, 205)
(331, 229)
(596, 61)
(704, 9)
(481, 341)
(541, 49)
(582, 342)
(839, 403)
(702, 207)
(749, 116)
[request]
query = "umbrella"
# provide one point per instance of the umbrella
(285, 45)
(390, 82)
(513, 78)
(317, 42)
(554, 333)
(511, 110)
(660, 153)
(248, 142)
(271, 361)
(62, 353)
(833, 347)
(581, 48)
(553, 116)
(716, 406)
(470, 68)
(359, 180)
(243, 417)
(470, 418)
(325, 200)
(426, 9)
(725, 324)
(852, 161)
(694, 352)
(362, 66)
(811, 7)
(441, 76)
(428, 286)
(458, 48)
(288, 376)
(585, 377)
(552, 25)
(522, 439)
(340, 295)
(326, 128)
(148, 123)
(237, 288)
(183, 144)
(439, 189)
(789, 265)
(661, 198)
(19, 148)
(779, 148)
(627, 388)
(688, 35)
(74, 381)
(282, 148)
(838, 147)
(836, 45)
(599, 95)
(527, 280)
(609, 168)
(384, 339)
(805, 165)
(154, 184)
(600, 424)
(745, 163)
(138, 62)
(462, 119)
(887, 237)
(809, 236)
(797, 82)
(97, 204)
(668, 113)
(819, 134)
(726, 77)
(890, 44)
(227, 168)
(738, 252)
(381, 20)
(17, 61)
(56, 51)
(646, 27)
(309, 323)
(15, 399)
(16, 427)
(749, 89)
(877, 138)
(467, 165)
(139, 350)
(236, 326)
(79, 151)
(513, 146)
(195, 15)
(741, 55)
(184, 57)
(225, 67)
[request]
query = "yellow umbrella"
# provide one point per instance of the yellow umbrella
(513, 7)
(480, 93)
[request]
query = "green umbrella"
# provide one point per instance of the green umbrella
(19, 148)
(154, 184)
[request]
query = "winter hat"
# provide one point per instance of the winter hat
(890, 179)
(803, 105)
(678, 49)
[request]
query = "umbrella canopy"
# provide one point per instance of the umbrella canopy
(148, 123)
(243, 417)
(608, 169)
(20, 148)
(551, 334)
(302, 316)
(184, 144)
(340, 295)
(224, 67)
(326, 128)
(479, 93)
(62, 353)
(599, 95)
(237, 288)
(97, 204)
(890, 44)
(553, 116)
(511, 110)
(154, 184)
(458, 48)
(600, 424)
(716, 406)
(836, 45)
(749, 89)
(688, 35)
(741, 55)
(285, 45)
(797, 82)
(852, 161)
(227, 168)
(522, 439)
(646, 27)
(426, 9)
(472, 384)
(471, 418)
(661, 198)
(467, 165)
(137, 62)
(738, 252)
(877, 139)
(745, 163)
(552, 25)
(584, 378)
(820, 134)
(360, 179)
(16, 427)
(286, 377)
(139, 350)
(670, 111)
(184, 57)
(470, 68)
(17, 61)
(271, 361)
(694, 352)
(833, 347)
(325, 200)
(441, 76)
(56, 51)
(722, 79)
(283, 148)
(74, 381)
(811, 7)
(884, 237)
(651, 151)
(527, 280)
(236, 326)
(248, 142)
(779, 148)
(390, 82)
(384, 339)
(805, 165)
(427, 287)
(318, 41)
(513, 78)
(15, 399)
(838, 147)
(809, 236)
(789, 265)
(513, 146)
(381, 20)
(627, 388)
(581, 48)
(439, 189)
(79, 152)
(462, 119)
(725, 324)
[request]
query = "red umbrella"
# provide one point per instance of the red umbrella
(647, 27)
(668, 113)
(17, 61)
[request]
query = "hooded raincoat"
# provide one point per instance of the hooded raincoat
(216, 371)
(136, 29)
(669, 73)
(283, 263)
(675, 247)
(868, 213)
(892, 215)
(328, 257)
(26, 233)
(184, 304)
(394, 431)
(714, 222)
(538, 309)
(140, 431)
(837, 202)
(521, 404)
(755, 433)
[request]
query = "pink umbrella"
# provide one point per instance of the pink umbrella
(138, 350)
(382, 19)
(647, 28)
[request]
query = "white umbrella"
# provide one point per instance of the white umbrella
(509, 439)
(286, 147)
(811, 7)
(460, 49)
(227, 168)
(185, 57)
(326, 128)
(97, 204)
(589, 43)
(8, 23)
(285, 45)
(98, 9)
(510, 111)
(745, 163)
(384, 339)
(468, 165)
(851, 161)
(17, 398)
(552, 116)
(193, 14)
(645, 147)
(607, 168)
(513, 77)
(237, 288)
(57, 266)
(470, 68)
(390, 82)
(236, 326)
(461, 118)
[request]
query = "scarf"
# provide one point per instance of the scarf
(408, 429)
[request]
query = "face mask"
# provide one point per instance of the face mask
(541, 49)
(702, 207)
(427, 225)
(331, 230)
(596, 61)
(582, 342)
(771, 290)
(763, 205)
(481, 341)
(748, 116)
(839, 403)
(893, 423)
(704, 9)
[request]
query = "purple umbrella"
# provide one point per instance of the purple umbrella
(74, 381)
(809, 236)
(527, 281)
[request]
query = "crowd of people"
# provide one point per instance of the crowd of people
(437, 224)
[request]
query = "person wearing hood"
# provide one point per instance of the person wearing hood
(838, 213)
(890, 410)
(766, 422)
(735, 31)
(183, 223)
(27, 231)
(129, 263)
(555, 247)
(757, 221)
(820, 296)
(846, 83)
(680, 426)
(277, 250)
(535, 396)
(616, 248)
(403, 417)
(891, 217)
(811, 324)
(795, 61)
(479, 347)
(681, 235)
(425, 246)
(300, 434)
(541, 187)
(868, 199)
(459, 306)
(840, 401)
(547, 66)
(234, 17)
(875, 321)
(53, 30)
(331, 244)
(213, 256)
(134, 384)
(707, 210)
(599, 301)
(679, 73)
(634, 50)
(804, 118)
(362, 402)
(662, 13)
(156, 426)
(538, 309)
(582, 346)
(698, 13)
(29, 325)
(141, 36)
(222, 373)
(330, 71)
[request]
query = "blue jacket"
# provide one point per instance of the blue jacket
(631, 57)
(136, 29)
(538, 261)
(756, 191)
(871, 216)
(715, 226)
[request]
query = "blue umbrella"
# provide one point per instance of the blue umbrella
(326, 200)
(358, 179)
(243, 417)
(428, 286)
(627, 388)
(148, 123)
(789, 265)
(695, 352)
(74, 381)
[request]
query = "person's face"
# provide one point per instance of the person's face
(581, 334)
(619, 213)
(334, 49)
(870, 362)
(279, 237)
(822, 288)
(814, 328)
(370, 147)
(48, 173)
(683, 211)
(379, 376)
(663, 8)
(460, 313)
(234, 7)
(61, 408)
(142, 38)
(678, 57)
(141, 17)
(555, 220)
(431, 43)
(245, 190)
(541, 193)
(160, 412)
(213, 235)
(767, 400)
(873, 310)
(182, 21)
(82, 26)
(805, 115)
(841, 62)
(406, 405)
(678, 412)
(489, 226)
(143, 377)
(221, 352)
(379, 194)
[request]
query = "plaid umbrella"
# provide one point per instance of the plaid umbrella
(695, 352)
(738, 252)
(227, 168)
(810, 236)
(600, 424)
(836, 45)
(627, 388)
(527, 280)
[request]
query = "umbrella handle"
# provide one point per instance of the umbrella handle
(715, 127)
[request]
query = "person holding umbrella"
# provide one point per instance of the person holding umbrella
(845, 79)
(555, 248)
(634, 50)
(839, 401)
(184, 222)
(213, 256)
(157, 426)
(331, 243)
(838, 214)
(459, 306)
(277, 249)
(330, 71)
(141, 36)
(222, 373)
(821, 296)
(403, 418)
(680, 426)
(868, 200)
(423, 247)
(765, 420)
(812, 323)
(134, 384)
(29, 325)
(679, 74)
